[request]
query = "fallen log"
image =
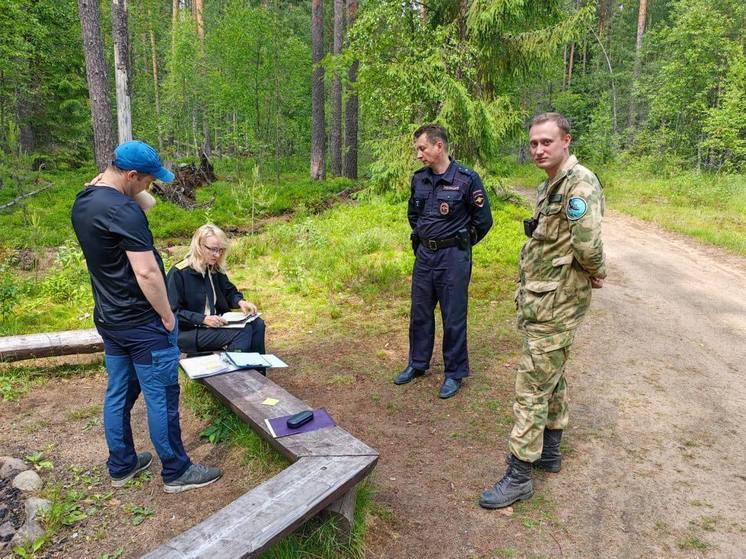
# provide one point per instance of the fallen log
(22, 196)
(30, 346)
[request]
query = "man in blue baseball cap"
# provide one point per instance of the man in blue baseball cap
(134, 318)
(140, 157)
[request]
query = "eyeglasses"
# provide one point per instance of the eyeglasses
(215, 250)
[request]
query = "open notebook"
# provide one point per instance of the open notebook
(227, 362)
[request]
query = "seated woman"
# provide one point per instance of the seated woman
(199, 292)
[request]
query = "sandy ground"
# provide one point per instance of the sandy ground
(658, 382)
(42, 421)
(655, 459)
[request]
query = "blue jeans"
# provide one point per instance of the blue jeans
(158, 380)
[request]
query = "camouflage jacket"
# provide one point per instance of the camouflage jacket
(564, 252)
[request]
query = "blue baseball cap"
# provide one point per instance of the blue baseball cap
(140, 157)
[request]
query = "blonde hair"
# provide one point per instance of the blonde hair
(197, 256)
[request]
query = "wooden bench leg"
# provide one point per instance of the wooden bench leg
(344, 510)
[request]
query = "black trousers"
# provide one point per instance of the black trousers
(440, 276)
(250, 338)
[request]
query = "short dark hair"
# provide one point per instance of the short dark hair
(434, 132)
(558, 118)
(113, 167)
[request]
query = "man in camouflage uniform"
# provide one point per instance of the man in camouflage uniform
(561, 262)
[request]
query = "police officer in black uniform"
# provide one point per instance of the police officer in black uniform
(449, 213)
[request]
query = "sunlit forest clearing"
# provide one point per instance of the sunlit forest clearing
(306, 111)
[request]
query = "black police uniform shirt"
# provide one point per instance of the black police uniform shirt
(442, 205)
(188, 290)
(107, 224)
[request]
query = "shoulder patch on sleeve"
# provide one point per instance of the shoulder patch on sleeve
(576, 208)
(478, 198)
(181, 265)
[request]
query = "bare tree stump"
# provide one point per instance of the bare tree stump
(183, 190)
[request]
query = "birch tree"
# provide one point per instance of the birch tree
(120, 34)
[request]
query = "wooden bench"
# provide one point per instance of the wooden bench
(31, 346)
(327, 464)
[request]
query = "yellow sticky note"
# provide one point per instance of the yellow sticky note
(270, 402)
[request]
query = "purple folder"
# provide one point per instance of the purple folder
(278, 426)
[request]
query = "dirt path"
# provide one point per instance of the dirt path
(658, 390)
(655, 459)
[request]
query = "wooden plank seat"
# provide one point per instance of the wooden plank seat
(31, 346)
(327, 464)
(251, 523)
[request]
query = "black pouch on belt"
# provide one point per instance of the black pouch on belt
(415, 239)
(529, 226)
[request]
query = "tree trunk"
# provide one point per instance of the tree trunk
(318, 131)
(641, 17)
(24, 110)
(174, 19)
(120, 35)
(602, 15)
(351, 108)
(570, 65)
(336, 137)
(95, 67)
(154, 58)
(197, 8)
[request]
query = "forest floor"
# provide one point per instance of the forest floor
(653, 457)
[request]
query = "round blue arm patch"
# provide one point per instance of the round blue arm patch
(576, 208)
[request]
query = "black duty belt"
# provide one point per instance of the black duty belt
(435, 244)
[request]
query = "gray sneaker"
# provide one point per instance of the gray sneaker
(143, 462)
(196, 476)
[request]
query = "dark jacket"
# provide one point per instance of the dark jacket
(439, 207)
(187, 290)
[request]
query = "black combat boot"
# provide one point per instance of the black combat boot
(551, 459)
(516, 485)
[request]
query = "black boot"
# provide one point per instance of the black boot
(551, 459)
(516, 485)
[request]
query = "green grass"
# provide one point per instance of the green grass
(18, 379)
(694, 542)
(83, 412)
(320, 275)
(260, 459)
(706, 206)
(240, 199)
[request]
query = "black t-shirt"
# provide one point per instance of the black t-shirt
(107, 224)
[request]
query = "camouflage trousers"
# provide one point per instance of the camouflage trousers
(541, 398)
